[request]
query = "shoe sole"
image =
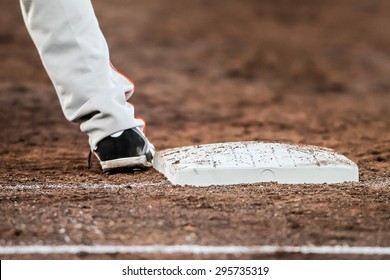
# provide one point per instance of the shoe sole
(126, 165)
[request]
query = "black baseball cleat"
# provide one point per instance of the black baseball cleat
(125, 151)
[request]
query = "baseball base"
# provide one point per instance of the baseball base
(254, 162)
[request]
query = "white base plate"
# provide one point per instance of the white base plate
(253, 162)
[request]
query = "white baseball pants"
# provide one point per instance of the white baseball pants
(75, 54)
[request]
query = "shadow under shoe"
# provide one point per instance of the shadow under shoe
(125, 152)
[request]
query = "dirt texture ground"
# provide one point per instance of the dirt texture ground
(306, 71)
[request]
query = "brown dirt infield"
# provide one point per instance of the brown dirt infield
(310, 72)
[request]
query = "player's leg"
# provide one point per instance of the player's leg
(76, 56)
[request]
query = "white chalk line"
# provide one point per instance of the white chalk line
(380, 182)
(83, 186)
(191, 249)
